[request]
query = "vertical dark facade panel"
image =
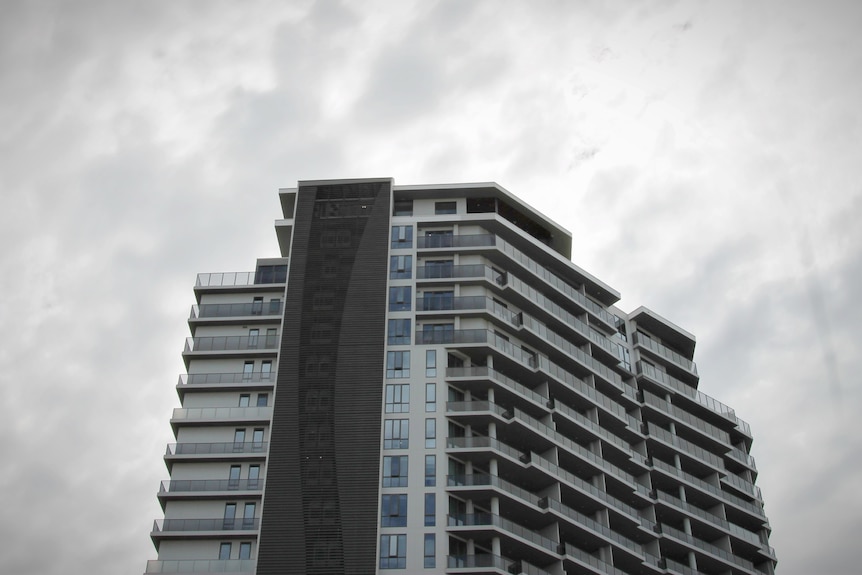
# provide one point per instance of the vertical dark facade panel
(320, 504)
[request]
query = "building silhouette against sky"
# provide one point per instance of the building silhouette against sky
(425, 383)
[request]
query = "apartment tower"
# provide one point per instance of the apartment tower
(425, 383)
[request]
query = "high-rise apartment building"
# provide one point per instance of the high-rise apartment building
(425, 383)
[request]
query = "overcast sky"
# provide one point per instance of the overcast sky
(707, 157)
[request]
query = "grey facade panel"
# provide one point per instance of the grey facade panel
(325, 434)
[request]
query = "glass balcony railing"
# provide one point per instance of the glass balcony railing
(505, 525)
(220, 524)
(497, 377)
(708, 547)
(676, 567)
(483, 442)
(561, 474)
(208, 485)
(591, 560)
(455, 241)
(687, 447)
(700, 397)
(222, 310)
(481, 479)
(583, 520)
(712, 519)
(225, 413)
(225, 378)
(232, 343)
(241, 447)
(600, 431)
(721, 494)
(202, 566)
(665, 352)
(682, 415)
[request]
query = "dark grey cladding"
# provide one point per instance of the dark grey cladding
(320, 505)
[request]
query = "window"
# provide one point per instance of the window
(430, 397)
(438, 300)
(393, 511)
(262, 399)
(393, 551)
(244, 399)
(437, 239)
(444, 208)
(396, 434)
(402, 207)
(238, 439)
(224, 551)
(430, 362)
(397, 364)
(274, 305)
(402, 236)
(270, 274)
(253, 335)
(257, 306)
(430, 470)
(229, 515)
(430, 550)
(257, 439)
(395, 471)
(399, 332)
(247, 370)
(397, 398)
(400, 267)
(438, 333)
(399, 298)
(233, 477)
(271, 337)
(430, 433)
(253, 476)
(439, 269)
(430, 510)
(248, 516)
(266, 370)
(245, 550)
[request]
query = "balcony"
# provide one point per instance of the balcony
(220, 415)
(260, 280)
(715, 434)
(217, 449)
(472, 271)
(228, 566)
(168, 527)
(712, 550)
(529, 541)
(687, 448)
(711, 519)
(662, 351)
(591, 562)
(439, 241)
(186, 486)
(723, 496)
(692, 393)
(247, 311)
(511, 387)
(264, 343)
(486, 563)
